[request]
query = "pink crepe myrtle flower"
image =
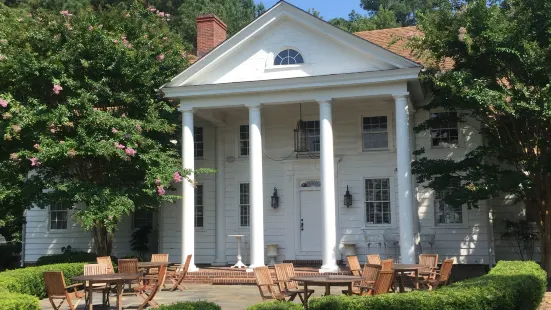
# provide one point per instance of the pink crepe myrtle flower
(161, 57)
(129, 45)
(72, 153)
(160, 190)
(3, 103)
(165, 38)
(119, 146)
(13, 156)
(123, 115)
(157, 181)
(127, 15)
(151, 8)
(61, 142)
(130, 151)
(57, 89)
(65, 13)
(34, 162)
(36, 146)
(115, 41)
(69, 26)
(90, 28)
(161, 14)
(2, 57)
(177, 177)
(100, 26)
(167, 14)
(139, 128)
(53, 130)
(19, 19)
(114, 130)
(16, 128)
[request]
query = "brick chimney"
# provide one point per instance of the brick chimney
(211, 31)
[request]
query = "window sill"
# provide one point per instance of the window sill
(272, 68)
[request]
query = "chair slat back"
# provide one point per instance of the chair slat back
(284, 273)
(128, 265)
(354, 265)
(93, 269)
(429, 260)
(383, 282)
(374, 259)
(159, 283)
(185, 268)
(55, 283)
(264, 280)
(370, 273)
(106, 260)
(290, 269)
(386, 264)
(446, 270)
(158, 258)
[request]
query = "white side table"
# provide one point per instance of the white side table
(239, 263)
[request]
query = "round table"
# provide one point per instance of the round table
(402, 269)
(239, 263)
(327, 281)
(118, 278)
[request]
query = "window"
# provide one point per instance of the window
(198, 140)
(375, 132)
(377, 201)
(199, 209)
(446, 214)
(244, 205)
(288, 57)
(58, 216)
(142, 218)
(244, 140)
(445, 133)
(313, 128)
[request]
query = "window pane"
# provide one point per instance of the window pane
(375, 132)
(59, 216)
(244, 140)
(299, 59)
(143, 218)
(377, 204)
(244, 204)
(445, 132)
(292, 53)
(288, 57)
(198, 141)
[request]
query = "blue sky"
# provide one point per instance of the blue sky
(328, 8)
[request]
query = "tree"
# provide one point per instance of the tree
(403, 10)
(315, 12)
(356, 22)
(82, 123)
(499, 84)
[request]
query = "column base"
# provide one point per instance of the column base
(192, 268)
(329, 268)
(219, 264)
(251, 267)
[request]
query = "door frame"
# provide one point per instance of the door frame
(298, 249)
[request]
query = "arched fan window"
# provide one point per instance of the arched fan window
(288, 57)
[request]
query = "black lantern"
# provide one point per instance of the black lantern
(275, 199)
(301, 135)
(347, 198)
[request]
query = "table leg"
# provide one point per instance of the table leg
(90, 304)
(305, 302)
(402, 279)
(350, 288)
(416, 279)
(327, 290)
(120, 285)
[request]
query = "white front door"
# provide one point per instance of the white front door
(310, 221)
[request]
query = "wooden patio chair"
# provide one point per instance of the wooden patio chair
(148, 292)
(266, 287)
(354, 265)
(382, 285)
(386, 264)
(369, 275)
(106, 260)
(129, 265)
(95, 269)
(429, 260)
(440, 277)
(158, 258)
(374, 259)
(56, 289)
(178, 275)
(284, 273)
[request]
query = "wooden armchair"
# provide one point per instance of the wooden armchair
(429, 260)
(382, 285)
(369, 275)
(129, 265)
(56, 289)
(374, 259)
(284, 273)
(106, 260)
(386, 264)
(158, 258)
(354, 265)
(94, 269)
(266, 287)
(440, 277)
(178, 275)
(148, 292)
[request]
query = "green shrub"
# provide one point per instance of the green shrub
(30, 280)
(509, 285)
(191, 305)
(67, 257)
(15, 301)
(276, 305)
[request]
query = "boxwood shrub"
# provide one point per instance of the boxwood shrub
(15, 301)
(191, 305)
(510, 285)
(67, 257)
(276, 305)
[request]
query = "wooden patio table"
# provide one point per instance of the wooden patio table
(117, 278)
(327, 281)
(403, 269)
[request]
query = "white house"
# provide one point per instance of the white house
(353, 100)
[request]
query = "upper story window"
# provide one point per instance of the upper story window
(375, 133)
(447, 214)
(199, 142)
(445, 133)
(288, 57)
(244, 140)
(199, 207)
(58, 216)
(377, 201)
(313, 128)
(142, 218)
(244, 205)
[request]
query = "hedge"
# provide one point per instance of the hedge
(67, 257)
(190, 305)
(15, 301)
(509, 285)
(276, 305)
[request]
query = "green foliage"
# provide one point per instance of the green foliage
(357, 22)
(276, 305)
(403, 11)
(30, 280)
(140, 240)
(14, 301)
(191, 305)
(509, 285)
(67, 257)
(7, 251)
(521, 237)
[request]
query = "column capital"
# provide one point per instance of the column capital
(400, 96)
(185, 109)
(252, 106)
(324, 101)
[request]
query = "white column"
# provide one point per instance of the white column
(188, 193)
(327, 170)
(405, 187)
(255, 186)
(220, 254)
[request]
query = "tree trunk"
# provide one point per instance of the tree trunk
(103, 240)
(543, 204)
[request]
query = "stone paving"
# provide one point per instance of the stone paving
(229, 297)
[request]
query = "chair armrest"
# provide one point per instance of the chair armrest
(74, 285)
